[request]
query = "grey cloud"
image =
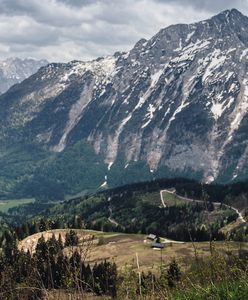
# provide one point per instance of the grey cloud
(62, 30)
(23, 30)
(210, 5)
(45, 11)
(77, 3)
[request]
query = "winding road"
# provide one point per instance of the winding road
(240, 217)
(112, 220)
(162, 198)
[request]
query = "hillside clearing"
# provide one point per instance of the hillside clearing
(122, 248)
(5, 205)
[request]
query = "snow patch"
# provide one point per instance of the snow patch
(110, 165)
(177, 111)
(216, 61)
(209, 179)
(189, 52)
(101, 68)
(189, 36)
(167, 112)
(155, 77)
(151, 109)
(125, 55)
(243, 54)
(233, 88)
(179, 47)
(217, 110)
(229, 75)
(104, 184)
(231, 50)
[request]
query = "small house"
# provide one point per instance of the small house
(151, 237)
(158, 246)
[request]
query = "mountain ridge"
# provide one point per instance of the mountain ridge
(177, 103)
(13, 70)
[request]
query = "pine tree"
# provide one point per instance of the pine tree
(9, 246)
(71, 238)
(60, 271)
(41, 256)
(173, 273)
(42, 225)
(60, 242)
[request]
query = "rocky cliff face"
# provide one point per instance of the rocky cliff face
(178, 102)
(15, 70)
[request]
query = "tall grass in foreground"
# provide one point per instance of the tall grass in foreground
(217, 277)
(61, 269)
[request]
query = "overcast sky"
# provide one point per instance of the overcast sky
(63, 30)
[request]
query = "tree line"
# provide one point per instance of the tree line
(27, 275)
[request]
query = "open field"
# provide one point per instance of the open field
(123, 248)
(171, 199)
(5, 205)
(152, 198)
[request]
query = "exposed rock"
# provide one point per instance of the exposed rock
(178, 100)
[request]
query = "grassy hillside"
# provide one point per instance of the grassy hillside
(138, 208)
(112, 226)
(5, 205)
(189, 271)
(124, 248)
(135, 209)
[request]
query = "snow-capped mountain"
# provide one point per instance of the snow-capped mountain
(15, 70)
(178, 102)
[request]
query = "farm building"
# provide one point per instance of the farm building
(158, 246)
(151, 237)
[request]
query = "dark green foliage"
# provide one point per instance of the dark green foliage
(136, 211)
(71, 238)
(134, 172)
(26, 276)
(28, 171)
(105, 275)
(135, 215)
(224, 291)
(211, 278)
(240, 233)
(50, 268)
(173, 273)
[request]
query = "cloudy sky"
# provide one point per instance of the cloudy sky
(63, 30)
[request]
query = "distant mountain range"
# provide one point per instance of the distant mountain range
(14, 70)
(174, 105)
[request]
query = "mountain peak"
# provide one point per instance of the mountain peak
(14, 70)
(177, 104)
(232, 11)
(229, 13)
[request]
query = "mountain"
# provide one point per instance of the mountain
(174, 105)
(15, 70)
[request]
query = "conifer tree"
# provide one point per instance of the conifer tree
(71, 238)
(173, 273)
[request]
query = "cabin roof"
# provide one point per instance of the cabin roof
(152, 236)
(158, 245)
